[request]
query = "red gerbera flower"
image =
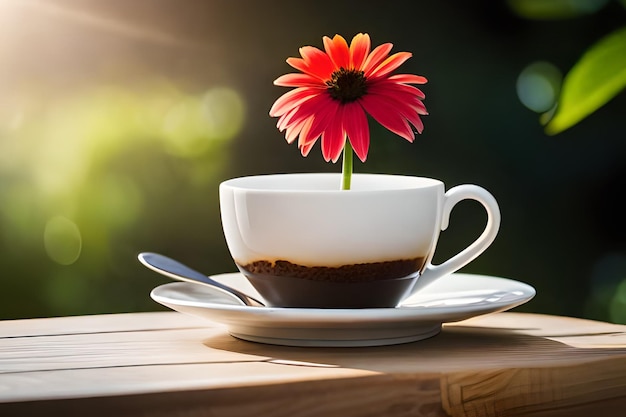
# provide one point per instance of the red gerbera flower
(338, 87)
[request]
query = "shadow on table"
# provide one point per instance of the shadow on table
(493, 370)
(457, 347)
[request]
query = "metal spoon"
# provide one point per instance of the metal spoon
(174, 269)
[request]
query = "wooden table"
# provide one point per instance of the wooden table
(169, 364)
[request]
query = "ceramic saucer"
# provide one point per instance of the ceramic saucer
(452, 298)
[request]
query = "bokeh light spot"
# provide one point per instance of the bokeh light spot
(538, 86)
(224, 112)
(194, 123)
(62, 240)
(181, 129)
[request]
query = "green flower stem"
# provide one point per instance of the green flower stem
(346, 169)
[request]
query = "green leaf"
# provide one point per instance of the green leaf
(596, 78)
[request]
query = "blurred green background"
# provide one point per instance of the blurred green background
(118, 120)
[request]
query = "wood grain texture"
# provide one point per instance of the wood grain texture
(157, 364)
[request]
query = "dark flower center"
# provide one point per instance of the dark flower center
(347, 85)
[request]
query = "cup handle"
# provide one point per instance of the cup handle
(451, 198)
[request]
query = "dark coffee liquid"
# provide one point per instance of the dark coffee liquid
(363, 272)
(366, 285)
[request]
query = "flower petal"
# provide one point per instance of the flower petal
(408, 79)
(293, 130)
(305, 110)
(317, 62)
(416, 122)
(359, 48)
(301, 65)
(390, 64)
(400, 93)
(387, 116)
(410, 111)
(285, 120)
(407, 110)
(357, 128)
(298, 80)
(386, 83)
(338, 51)
(305, 127)
(334, 138)
(328, 110)
(378, 54)
(309, 119)
(305, 149)
(292, 99)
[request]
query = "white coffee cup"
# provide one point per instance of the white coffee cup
(303, 242)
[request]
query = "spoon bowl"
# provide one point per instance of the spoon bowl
(176, 270)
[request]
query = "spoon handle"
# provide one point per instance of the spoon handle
(176, 270)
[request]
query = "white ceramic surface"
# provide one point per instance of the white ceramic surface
(452, 298)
